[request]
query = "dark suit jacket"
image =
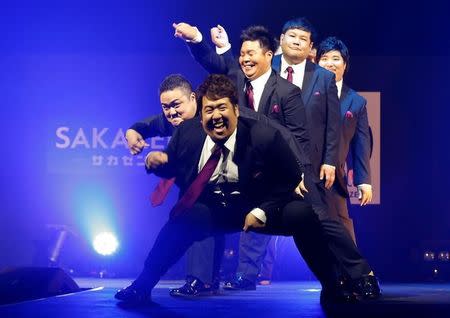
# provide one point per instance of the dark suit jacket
(319, 93)
(268, 170)
(281, 101)
(355, 136)
(156, 125)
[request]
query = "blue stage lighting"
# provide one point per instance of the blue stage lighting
(105, 243)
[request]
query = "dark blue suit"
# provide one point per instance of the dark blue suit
(355, 141)
(319, 94)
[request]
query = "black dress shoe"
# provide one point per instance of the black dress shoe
(339, 293)
(194, 287)
(367, 287)
(332, 297)
(240, 283)
(133, 295)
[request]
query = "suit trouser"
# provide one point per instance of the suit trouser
(324, 238)
(202, 221)
(338, 239)
(341, 210)
(274, 250)
(204, 258)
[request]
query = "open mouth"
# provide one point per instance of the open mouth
(248, 67)
(218, 127)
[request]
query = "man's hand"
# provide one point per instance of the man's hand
(135, 141)
(301, 189)
(365, 194)
(252, 221)
(155, 159)
(185, 31)
(329, 172)
(219, 36)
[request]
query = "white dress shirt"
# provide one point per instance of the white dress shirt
(258, 87)
(226, 170)
(339, 87)
(299, 71)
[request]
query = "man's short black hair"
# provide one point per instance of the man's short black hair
(262, 35)
(302, 24)
(333, 43)
(217, 86)
(174, 81)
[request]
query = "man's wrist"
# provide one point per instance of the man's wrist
(197, 39)
(364, 185)
(222, 50)
(259, 214)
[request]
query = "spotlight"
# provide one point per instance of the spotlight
(105, 243)
(435, 273)
(228, 253)
(428, 256)
(444, 256)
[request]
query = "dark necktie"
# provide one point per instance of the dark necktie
(290, 71)
(250, 95)
(195, 189)
(162, 189)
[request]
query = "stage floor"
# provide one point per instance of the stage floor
(281, 299)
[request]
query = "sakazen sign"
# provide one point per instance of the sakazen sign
(98, 147)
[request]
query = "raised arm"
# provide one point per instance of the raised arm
(202, 52)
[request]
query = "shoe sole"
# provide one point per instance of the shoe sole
(200, 294)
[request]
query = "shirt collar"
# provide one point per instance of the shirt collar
(262, 80)
(298, 68)
(339, 87)
(229, 144)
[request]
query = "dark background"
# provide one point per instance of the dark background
(98, 64)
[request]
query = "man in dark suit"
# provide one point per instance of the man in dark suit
(322, 108)
(230, 178)
(323, 122)
(271, 95)
(355, 136)
(178, 104)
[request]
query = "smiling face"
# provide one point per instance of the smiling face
(219, 118)
(296, 45)
(254, 60)
(178, 105)
(333, 62)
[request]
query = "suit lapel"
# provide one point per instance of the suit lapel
(276, 63)
(197, 139)
(345, 100)
(242, 146)
(264, 103)
(309, 81)
(242, 97)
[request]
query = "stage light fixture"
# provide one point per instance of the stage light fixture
(444, 256)
(105, 243)
(428, 256)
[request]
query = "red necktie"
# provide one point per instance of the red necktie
(250, 96)
(195, 189)
(162, 189)
(290, 71)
